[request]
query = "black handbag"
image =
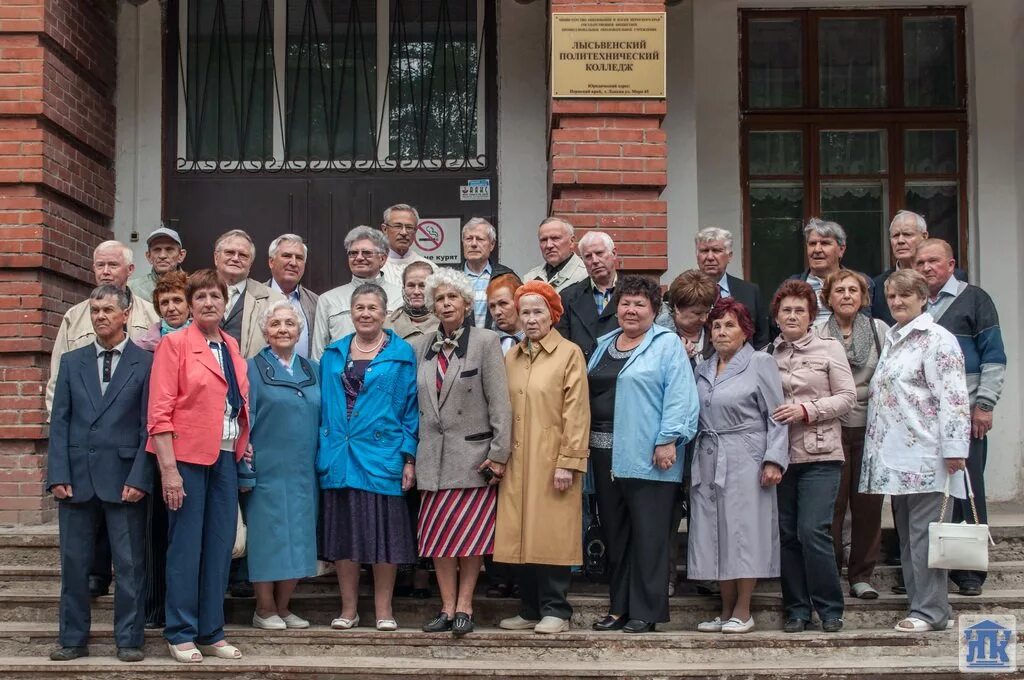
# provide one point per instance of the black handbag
(595, 553)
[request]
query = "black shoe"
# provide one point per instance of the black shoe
(899, 590)
(439, 624)
(794, 626)
(832, 625)
(155, 624)
(98, 586)
(610, 623)
(707, 588)
(69, 653)
(461, 624)
(241, 589)
(638, 626)
(130, 654)
(971, 588)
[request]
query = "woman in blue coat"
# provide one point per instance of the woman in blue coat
(367, 456)
(284, 400)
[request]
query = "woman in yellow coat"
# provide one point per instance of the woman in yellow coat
(540, 515)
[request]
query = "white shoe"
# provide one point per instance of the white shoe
(272, 622)
(712, 626)
(294, 621)
(341, 623)
(517, 623)
(387, 625)
(551, 624)
(735, 625)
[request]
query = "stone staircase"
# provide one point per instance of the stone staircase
(866, 648)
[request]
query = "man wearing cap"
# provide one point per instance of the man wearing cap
(165, 253)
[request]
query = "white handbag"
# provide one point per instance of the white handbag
(958, 546)
(238, 549)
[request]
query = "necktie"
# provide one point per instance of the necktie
(108, 361)
(232, 299)
(442, 368)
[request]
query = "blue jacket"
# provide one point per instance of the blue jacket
(655, 403)
(367, 451)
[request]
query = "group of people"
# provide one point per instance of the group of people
(447, 415)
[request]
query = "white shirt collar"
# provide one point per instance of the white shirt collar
(119, 347)
(951, 287)
(920, 322)
(723, 284)
(486, 270)
(294, 294)
(238, 287)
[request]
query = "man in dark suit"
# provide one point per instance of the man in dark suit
(714, 252)
(98, 468)
(590, 304)
(287, 266)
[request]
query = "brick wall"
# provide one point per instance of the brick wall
(57, 75)
(608, 162)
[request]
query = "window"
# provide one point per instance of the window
(331, 84)
(850, 115)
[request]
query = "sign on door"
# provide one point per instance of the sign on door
(438, 239)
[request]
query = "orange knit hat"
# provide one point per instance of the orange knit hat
(544, 290)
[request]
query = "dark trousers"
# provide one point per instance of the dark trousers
(636, 515)
(239, 574)
(125, 528)
(101, 561)
(976, 459)
(199, 540)
(865, 514)
(810, 579)
(156, 557)
(544, 591)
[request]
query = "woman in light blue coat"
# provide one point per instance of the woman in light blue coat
(644, 410)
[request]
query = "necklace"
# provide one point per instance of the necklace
(369, 350)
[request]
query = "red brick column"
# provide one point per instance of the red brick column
(608, 162)
(57, 73)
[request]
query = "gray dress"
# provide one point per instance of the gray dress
(734, 525)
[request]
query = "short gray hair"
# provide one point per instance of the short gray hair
(591, 236)
(107, 290)
(126, 252)
(401, 207)
(269, 312)
(478, 221)
(904, 281)
(369, 289)
(825, 229)
(451, 278)
(568, 227)
(365, 233)
(287, 238)
(235, 233)
(709, 234)
(919, 221)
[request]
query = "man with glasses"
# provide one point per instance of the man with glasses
(233, 254)
(367, 249)
(399, 226)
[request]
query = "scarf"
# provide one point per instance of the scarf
(417, 314)
(234, 394)
(858, 352)
(447, 343)
(165, 329)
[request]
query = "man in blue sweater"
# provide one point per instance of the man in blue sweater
(968, 313)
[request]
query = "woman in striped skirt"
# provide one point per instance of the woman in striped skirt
(465, 421)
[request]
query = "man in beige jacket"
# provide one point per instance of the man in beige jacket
(233, 254)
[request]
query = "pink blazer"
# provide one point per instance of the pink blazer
(186, 396)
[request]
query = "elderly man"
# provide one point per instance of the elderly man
(399, 226)
(233, 255)
(590, 304)
(562, 267)
(287, 266)
(98, 468)
(165, 253)
(825, 243)
(714, 253)
(366, 249)
(969, 314)
(478, 241)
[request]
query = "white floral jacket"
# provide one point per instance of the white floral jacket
(918, 412)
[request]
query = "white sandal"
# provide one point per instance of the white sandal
(185, 655)
(912, 624)
(341, 623)
(224, 651)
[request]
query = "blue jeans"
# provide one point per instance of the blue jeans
(200, 535)
(810, 578)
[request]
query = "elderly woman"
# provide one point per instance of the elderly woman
(172, 307)
(691, 296)
(199, 429)
(846, 294)
(540, 507)
(740, 456)
(414, 318)
(463, 399)
(818, 388)
(367, 456)
(284, 402)
(502, 306)
(643, 410)
(917, 439)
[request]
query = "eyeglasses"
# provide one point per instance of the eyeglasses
(402, 227)
(365, 254)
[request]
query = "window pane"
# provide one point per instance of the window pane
(939, 202)
(776, 153)
(851, 69)
(929, 61)
(852, 152)
(860, 208)
(229, 81)
(330, 80)
(776, 222)
(775, 63)
(930, 151)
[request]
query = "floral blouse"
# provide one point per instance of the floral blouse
(918, 412)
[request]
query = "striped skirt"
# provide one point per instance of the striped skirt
(457, 522)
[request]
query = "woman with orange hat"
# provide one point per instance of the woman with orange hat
(540, 511)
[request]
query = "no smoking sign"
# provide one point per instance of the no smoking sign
(437, 239)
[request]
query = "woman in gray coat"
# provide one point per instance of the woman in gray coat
(740, 456)
(465, 427)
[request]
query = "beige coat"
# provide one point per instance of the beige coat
(402, 325)
(816, 374)
(550, 428)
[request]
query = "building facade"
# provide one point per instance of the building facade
(312, 116)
